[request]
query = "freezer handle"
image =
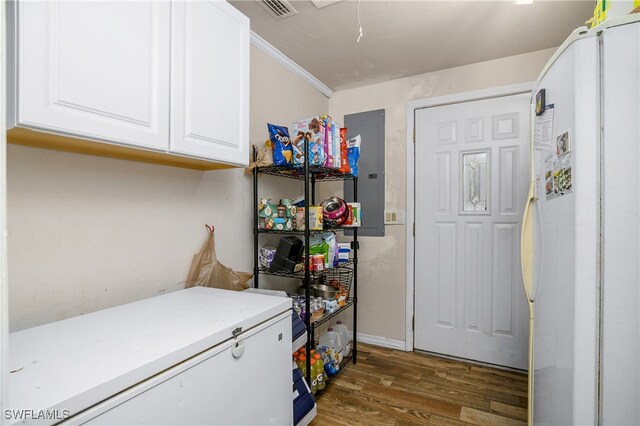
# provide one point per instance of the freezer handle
(526, 245)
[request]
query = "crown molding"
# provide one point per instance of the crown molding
(286, 62)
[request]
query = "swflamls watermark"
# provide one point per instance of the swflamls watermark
(36, 414)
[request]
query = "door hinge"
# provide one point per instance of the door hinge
(413, 323)
(414, 135)
(414, 229)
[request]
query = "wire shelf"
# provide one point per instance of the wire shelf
(297, 232)
(343, 276)
(327, 317)
(314, 274)
(321, 174)
(346, 360)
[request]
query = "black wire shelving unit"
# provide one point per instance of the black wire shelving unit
(310, 175)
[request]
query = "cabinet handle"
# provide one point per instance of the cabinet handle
(238, 349)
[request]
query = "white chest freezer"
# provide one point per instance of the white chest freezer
(196, 356)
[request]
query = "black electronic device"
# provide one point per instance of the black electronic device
(288, 254)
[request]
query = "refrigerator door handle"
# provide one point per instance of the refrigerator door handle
(526, 245)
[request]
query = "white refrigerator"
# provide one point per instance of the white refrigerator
(581, 233)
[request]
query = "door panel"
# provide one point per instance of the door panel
(210, 81)
(98, 70)
(469, 300)
(620, 373)
(370, 125)
(208, 389)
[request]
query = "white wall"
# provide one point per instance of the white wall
(382, 277)
(87, 233)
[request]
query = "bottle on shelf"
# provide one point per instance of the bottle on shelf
(302, 365)
(321, 376)
(314, 376)
(331, 339)
(343, 331)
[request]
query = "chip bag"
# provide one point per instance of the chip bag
(353, 147)
(282, 150)
(344, 160)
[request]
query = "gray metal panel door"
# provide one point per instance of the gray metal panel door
(370, 126)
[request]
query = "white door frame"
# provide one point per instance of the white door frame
(477, 95)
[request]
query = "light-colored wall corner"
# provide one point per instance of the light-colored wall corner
(87, 233)
(382, 276)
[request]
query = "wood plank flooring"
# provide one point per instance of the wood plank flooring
(389, 387)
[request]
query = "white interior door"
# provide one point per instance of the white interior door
(471, 183)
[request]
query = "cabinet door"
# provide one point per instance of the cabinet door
(216, 387)
(210, 81)
(98, 69)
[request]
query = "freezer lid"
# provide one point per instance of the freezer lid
(75, 363)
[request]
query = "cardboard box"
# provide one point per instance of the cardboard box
(313, 131)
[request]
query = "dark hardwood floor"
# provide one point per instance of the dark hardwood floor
(402, 388)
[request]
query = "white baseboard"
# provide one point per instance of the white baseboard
(385, 342)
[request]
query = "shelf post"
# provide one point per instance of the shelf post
(255, 224)
(355, 277)
(307, 274)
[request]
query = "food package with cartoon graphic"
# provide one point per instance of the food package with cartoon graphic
(297, 144)
(282, 150)
(311, 130)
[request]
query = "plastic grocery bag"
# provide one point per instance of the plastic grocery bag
(207, 271)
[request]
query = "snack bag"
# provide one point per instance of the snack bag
(332, 259)
(353, 147)
(320, 247)
(313, 131)
(282, 150)
(344, 157)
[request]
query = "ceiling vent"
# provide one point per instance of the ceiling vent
(279, 9)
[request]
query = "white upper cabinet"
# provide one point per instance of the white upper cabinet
(210, 81)
(141, 76)
(95, 69)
